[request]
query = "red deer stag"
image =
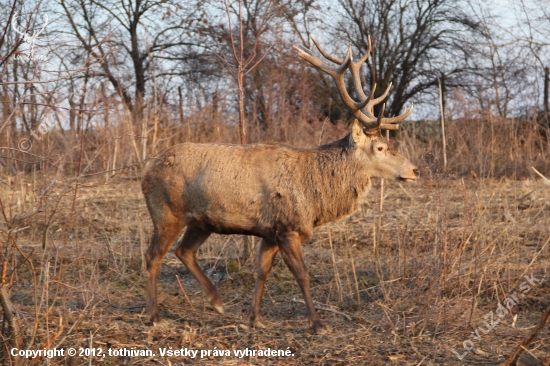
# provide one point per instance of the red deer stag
(279, 193)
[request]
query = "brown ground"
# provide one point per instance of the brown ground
(449, 251)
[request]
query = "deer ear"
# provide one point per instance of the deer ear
(357, 131)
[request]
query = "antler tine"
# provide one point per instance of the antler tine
(381, 116)
(383, 96)
(334, 59)
(355, 68)
(364, 58)
(307, 55)
(369, 107)
(367, 100)
(391, 123)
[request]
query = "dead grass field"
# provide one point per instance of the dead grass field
(415, 280)
(450, 270)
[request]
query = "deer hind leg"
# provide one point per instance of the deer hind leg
(164, 236)
(290, 246)
(266, 255)
(192, 240)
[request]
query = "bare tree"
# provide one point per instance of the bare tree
(409, 38)
(532, 33)
(139, 32)
(244, 65)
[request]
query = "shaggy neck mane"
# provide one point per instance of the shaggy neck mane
(343, 181)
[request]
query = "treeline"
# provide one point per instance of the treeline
(127, 78)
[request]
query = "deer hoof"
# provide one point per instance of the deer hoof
(258, 324)
(319, 328)
(161, 324)
(219, 309)
(154, 319)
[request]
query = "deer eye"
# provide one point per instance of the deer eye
(380, 148)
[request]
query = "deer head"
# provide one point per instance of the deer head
(26, 37)
(382, 160)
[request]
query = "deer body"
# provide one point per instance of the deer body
(257, 189)
(277, 192)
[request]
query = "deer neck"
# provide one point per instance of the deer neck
(341, 181)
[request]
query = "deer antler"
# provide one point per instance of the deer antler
(363, 111)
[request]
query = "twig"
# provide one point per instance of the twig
(184, 293)
(325, 309)
(513, 357)
(91, 346)
(422, 360)
(83, 314)
(527, 350)
(535, 258)
(544, 179)
(407, 192)
(54, 336)
(547, 361)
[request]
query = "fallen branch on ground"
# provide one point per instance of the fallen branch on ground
(513, 357)
(326, 309)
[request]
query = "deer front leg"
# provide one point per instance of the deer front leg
(290, 246)
(267, 250)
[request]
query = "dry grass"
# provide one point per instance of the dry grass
(416, 278)
(449, 251)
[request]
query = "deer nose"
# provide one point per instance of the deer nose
(415, 171)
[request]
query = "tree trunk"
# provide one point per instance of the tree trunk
(14, 335)
(242, 135)
(442, 112)
(242, 122)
